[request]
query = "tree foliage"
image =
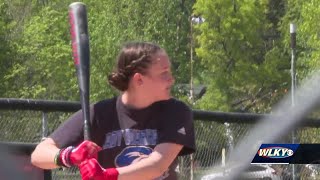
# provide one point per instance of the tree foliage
(43, 66)
(6, 46)
(242, 47)
(242, 53)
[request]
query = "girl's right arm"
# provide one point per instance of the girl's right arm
(44, 154)
(48, 156)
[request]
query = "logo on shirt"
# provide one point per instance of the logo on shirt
(131, 137)
(134, 154)
(182, 131)
(131, 155)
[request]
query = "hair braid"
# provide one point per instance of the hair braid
(133, 58)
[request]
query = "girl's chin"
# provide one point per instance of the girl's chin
(167, 97)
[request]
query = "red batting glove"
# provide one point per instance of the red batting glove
(71, 156)
(91, 169)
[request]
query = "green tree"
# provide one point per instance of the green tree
(44, 69)
(164, 22)
(245, 67)
(43, 66)
(305, 15)
(5, 47)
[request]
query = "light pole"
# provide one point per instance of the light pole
(293, 29)
(191, 60)
(194, 20)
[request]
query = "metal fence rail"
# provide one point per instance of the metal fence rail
(72, 106)
(28, 121)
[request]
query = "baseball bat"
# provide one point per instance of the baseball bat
(81, 56)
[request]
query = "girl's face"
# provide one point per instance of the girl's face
(158, 79)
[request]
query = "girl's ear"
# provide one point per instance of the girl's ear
(137, 79)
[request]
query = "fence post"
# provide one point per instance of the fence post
(44, 125)
(229, 135)
(191, 167)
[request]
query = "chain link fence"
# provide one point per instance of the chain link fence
(216, 135)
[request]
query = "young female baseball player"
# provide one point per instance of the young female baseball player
(136, 135)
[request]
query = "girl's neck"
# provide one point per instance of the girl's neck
(138, 101)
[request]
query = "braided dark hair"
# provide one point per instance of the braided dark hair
(134, 57)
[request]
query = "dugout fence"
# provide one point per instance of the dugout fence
(27, 121)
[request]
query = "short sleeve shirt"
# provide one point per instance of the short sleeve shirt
(128, 135)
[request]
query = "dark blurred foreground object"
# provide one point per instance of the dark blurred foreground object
(15, 163)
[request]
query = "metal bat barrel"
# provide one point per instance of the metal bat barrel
(81, 56)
